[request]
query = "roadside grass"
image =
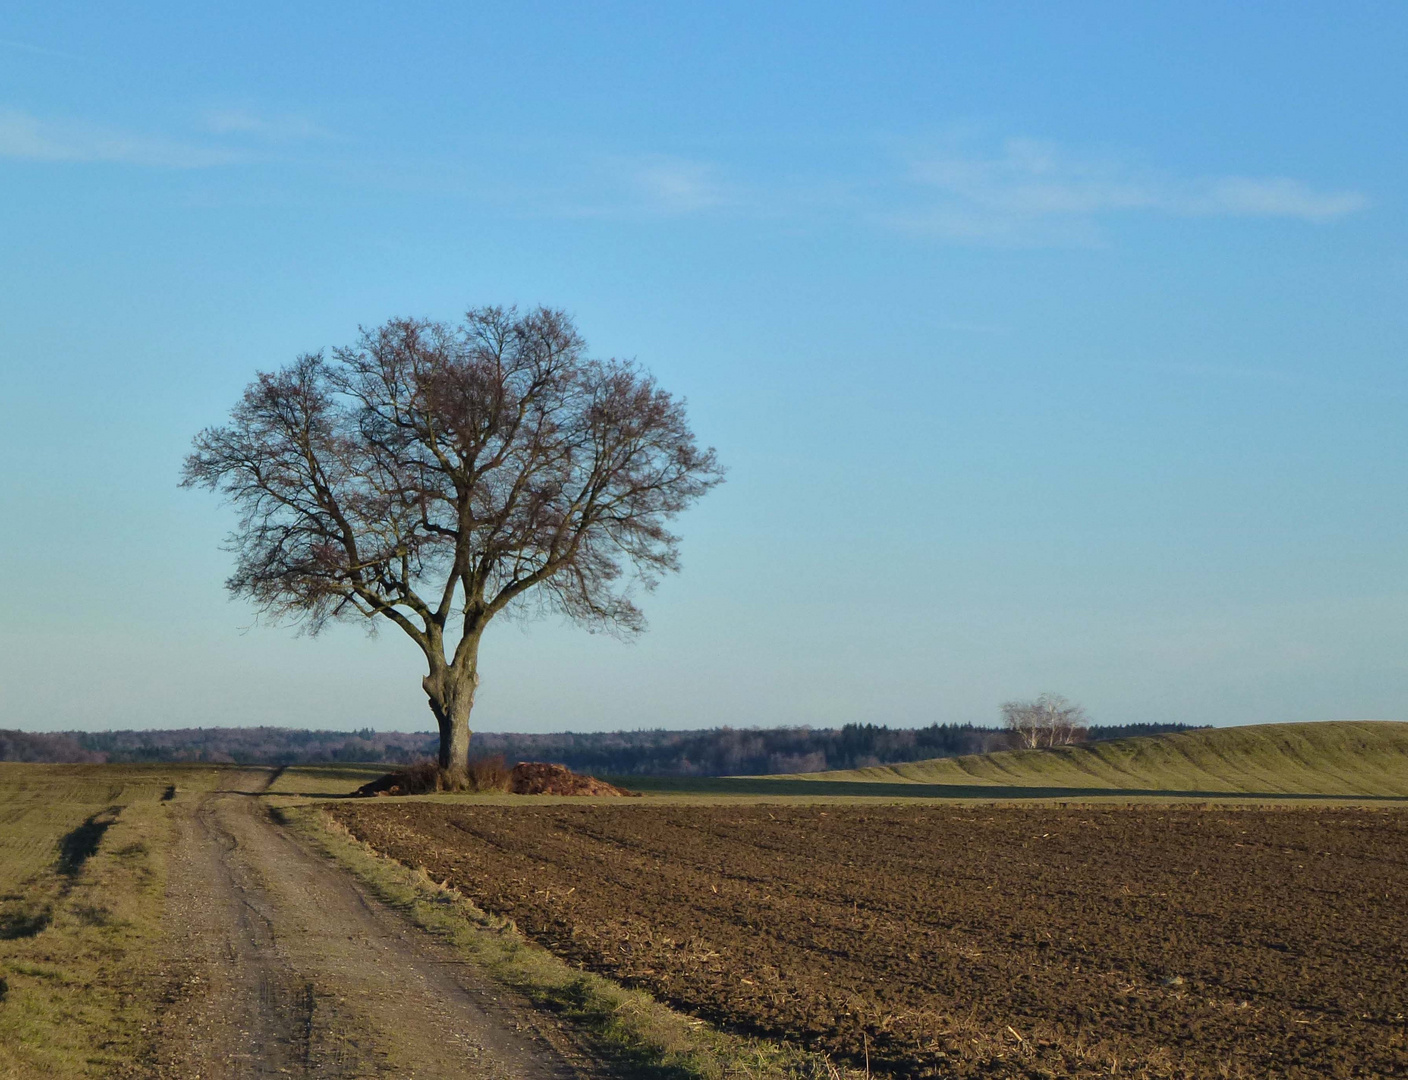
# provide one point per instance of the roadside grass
(82, 885)
(334, 778)
(1333, 759)
(634, 1033)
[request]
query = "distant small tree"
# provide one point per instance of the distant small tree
(1050, 720)
(435, 476)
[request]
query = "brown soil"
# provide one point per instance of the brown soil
(279, 965)
(1029, 942)
(539, 778)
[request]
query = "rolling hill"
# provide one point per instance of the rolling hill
(1340, 757)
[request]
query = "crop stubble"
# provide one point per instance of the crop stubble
(949, 941)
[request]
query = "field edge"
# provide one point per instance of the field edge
(637, 1034)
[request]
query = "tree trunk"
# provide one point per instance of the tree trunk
(451, 692)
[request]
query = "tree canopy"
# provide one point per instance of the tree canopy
(1048, 721)
(435, 475)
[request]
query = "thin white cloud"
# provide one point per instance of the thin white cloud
(29, 138)
(618, 187)
(1033, 192)
(1279, 197)
(35, 50)
(286, 127)
(677, 186)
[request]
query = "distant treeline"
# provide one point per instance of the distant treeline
(254, 746)
(711, 752)
(24, 746)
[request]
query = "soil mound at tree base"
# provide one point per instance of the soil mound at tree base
(525, 778)
(540, 778)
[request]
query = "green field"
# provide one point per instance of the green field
(1342, 757)
(313, 781)
(1360, 760)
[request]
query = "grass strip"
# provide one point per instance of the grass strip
(73, 1001)
(637, 1035)
(83, 864)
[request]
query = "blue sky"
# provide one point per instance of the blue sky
(1050, 347)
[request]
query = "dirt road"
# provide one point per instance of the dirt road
(280, 966)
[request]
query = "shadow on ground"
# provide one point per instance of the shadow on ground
(81, 844)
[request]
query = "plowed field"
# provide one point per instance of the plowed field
(952, 941)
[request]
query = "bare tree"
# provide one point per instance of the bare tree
(1050, 720)
(437, 475)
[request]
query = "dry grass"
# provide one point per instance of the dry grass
(82, 882)
(489, 774)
